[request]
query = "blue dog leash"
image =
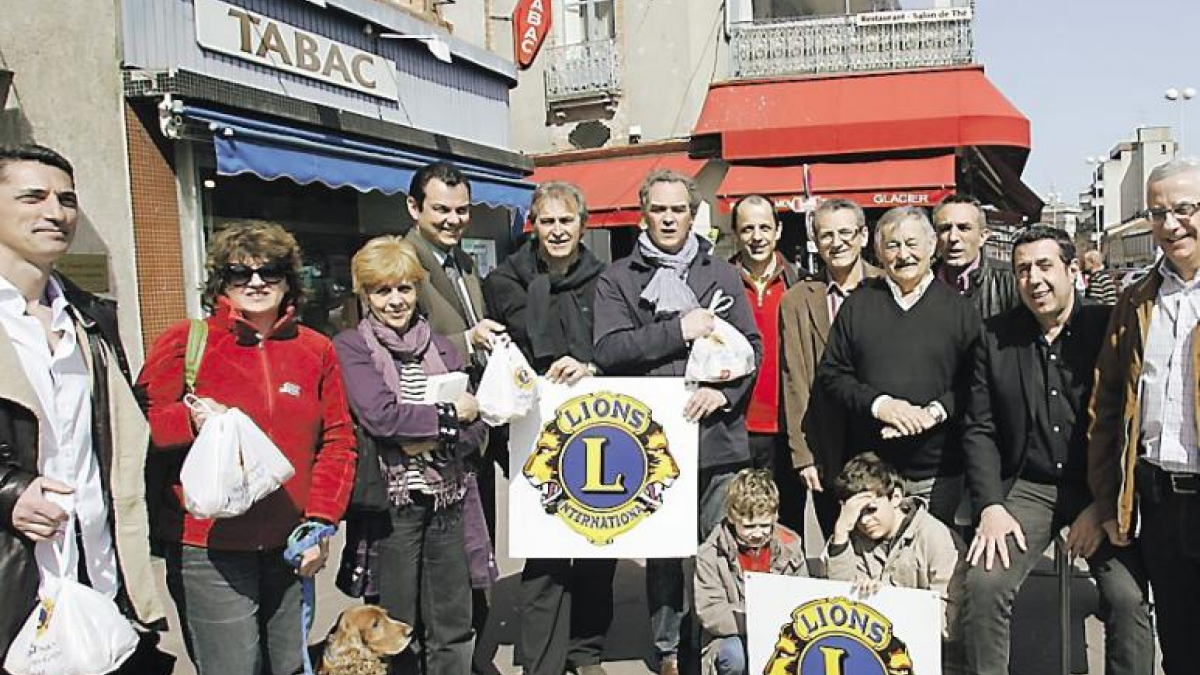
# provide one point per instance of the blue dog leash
(304, 537)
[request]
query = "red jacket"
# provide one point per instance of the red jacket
(763, 415)
(289, 382)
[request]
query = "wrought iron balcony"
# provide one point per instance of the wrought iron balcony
(588, 70)
(857, 43)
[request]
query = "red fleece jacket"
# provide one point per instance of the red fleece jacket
(289, 382)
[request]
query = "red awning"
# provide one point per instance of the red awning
(610, 185)
(853, 114)
(922, 181)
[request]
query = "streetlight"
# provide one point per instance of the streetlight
(1180, 96)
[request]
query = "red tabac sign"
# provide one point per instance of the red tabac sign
(531, 23)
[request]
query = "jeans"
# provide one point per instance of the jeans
(668, 588)
(731, 656)
(1041, 511)
(566, 609)
(424, 582)
(239, 610)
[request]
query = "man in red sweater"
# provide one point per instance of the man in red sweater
(766, 275)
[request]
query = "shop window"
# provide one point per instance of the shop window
(588, 21)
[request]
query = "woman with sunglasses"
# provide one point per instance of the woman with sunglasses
(414, 555)
(543, 294)
(238, 600)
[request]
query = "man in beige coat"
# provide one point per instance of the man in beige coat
(72, 438)
(815, 424)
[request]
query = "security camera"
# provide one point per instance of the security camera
(635, 134)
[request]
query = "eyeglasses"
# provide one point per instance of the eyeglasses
(237, 274)
(1158, 216)
(847, 234)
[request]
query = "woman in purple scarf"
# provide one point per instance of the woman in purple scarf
(414, 556)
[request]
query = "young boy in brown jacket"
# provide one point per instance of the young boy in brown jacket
(749, 539)
(882, 538)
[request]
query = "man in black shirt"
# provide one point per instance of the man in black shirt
(1025, 441)
(897, 362)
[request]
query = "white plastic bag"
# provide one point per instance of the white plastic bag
(73, 630)
(724, 354)
(231, 465)
(506, 391)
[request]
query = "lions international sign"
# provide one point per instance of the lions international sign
(801, 626)
(604, 469)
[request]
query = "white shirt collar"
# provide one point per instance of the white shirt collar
(906, 302)
(12, 300)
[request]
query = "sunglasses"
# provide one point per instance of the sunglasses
(237, 274)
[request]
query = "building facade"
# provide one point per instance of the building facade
(878, 101)
(190, 114)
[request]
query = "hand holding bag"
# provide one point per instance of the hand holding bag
(73, 630)
(724, 354)
(507, 389)
(231, 465)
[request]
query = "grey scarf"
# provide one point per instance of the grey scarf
(668, 290)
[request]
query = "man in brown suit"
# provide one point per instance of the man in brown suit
(439, 200)
(815, 424)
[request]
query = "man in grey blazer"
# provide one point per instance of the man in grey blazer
(439, 201)
(815, 424)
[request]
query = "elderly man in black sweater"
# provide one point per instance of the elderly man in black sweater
(898, 361)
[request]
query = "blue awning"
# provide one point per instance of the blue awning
(270, 151)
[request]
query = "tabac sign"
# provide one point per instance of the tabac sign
(260, 39)
(531, 23)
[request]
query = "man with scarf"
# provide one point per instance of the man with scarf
(767, 275)
(649, 307)
(543, 293)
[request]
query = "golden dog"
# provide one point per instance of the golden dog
(363, 639)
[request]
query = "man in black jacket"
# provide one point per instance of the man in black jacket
(1025, 439)
(962, 230)
(72, 438)
(649, 308)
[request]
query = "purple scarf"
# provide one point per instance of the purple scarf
(414, 344)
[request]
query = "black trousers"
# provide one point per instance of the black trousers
(1042, 510)
(771, 452)
(1170, 541)
(566, 609)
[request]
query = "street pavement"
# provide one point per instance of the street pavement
(629, 638)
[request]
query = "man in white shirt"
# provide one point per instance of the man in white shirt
(1143, 453)
(72, 439)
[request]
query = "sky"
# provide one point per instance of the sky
(1086, 74)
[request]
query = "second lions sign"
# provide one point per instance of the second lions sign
(604, 469)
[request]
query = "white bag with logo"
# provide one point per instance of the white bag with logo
(231, 465)
(724, 354)
(73, 630)
(507, 390)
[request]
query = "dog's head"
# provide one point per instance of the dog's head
(363, 635)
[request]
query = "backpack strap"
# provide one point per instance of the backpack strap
(197, 338)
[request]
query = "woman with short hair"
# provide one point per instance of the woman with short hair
(543, 294)
(414, 556)
(238, 600)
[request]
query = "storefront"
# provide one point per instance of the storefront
(314, 117)
(881, 140)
